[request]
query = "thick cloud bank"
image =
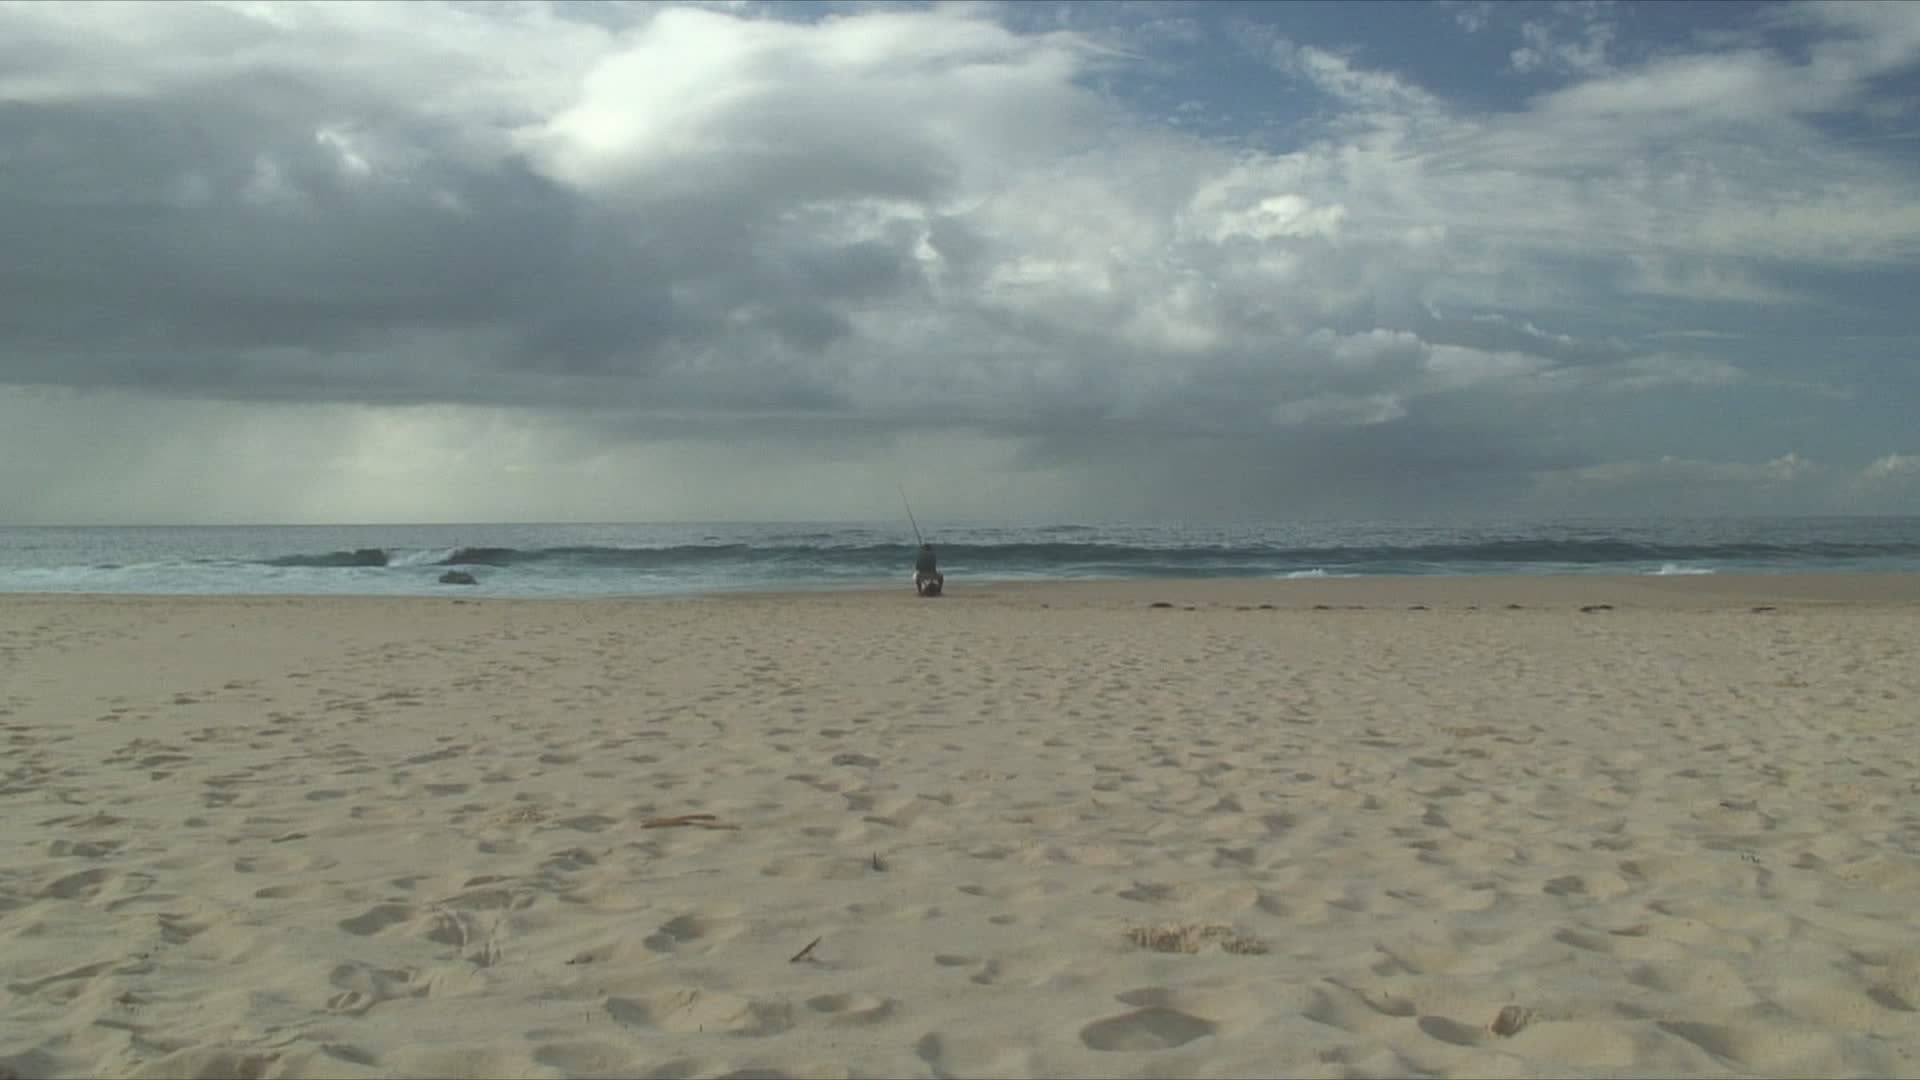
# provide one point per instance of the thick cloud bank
(543, 260)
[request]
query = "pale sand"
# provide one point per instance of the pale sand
(333, 837)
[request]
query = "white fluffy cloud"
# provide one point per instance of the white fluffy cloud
(572, 245)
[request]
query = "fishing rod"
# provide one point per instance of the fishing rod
(916, 525)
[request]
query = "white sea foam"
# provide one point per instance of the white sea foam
(420, 557)
(1679, 570)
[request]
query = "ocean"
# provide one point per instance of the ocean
(693, 559)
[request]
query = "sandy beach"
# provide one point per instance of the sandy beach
(1386, 827)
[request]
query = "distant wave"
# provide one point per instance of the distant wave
(678, 559)
(1670, 558)
(356, 557)
(500, 556)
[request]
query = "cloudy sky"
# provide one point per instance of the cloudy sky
(549, 261)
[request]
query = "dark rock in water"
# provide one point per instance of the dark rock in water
(457, 577)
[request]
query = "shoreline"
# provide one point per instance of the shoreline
(1869, 589)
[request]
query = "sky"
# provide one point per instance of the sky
(268, 262)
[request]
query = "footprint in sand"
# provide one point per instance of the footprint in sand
(584, 1058)
(854, 1008)
(818, 868)
(62, 986)
(96, 884)
(1355, 1011)
(454, 929)
(377, 918)
(568, 860)
(1155, 1027)
(212, 1061)
(360, 987)
(1009, 894)
(702, 931)
(1162, 1018)
(1453, 1032)
(292, 890)
(180, 929)
(1196, 897)
(969, 1056)
(1763, 1047)
(85, 849)
(695, 1012)
(350, 1054)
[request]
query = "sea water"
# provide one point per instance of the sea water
(686, 559)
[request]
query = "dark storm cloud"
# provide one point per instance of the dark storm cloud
(156, 230)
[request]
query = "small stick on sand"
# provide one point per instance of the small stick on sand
(877, 864)
(804, 953)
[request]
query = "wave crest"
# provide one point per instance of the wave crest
(1124, 558)
(356, 557)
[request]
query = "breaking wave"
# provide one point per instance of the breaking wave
(1127, 559)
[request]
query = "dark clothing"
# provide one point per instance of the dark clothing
(924, 564)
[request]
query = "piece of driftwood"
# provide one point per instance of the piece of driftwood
(806, 952)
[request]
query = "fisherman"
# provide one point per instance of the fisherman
(927, 578)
